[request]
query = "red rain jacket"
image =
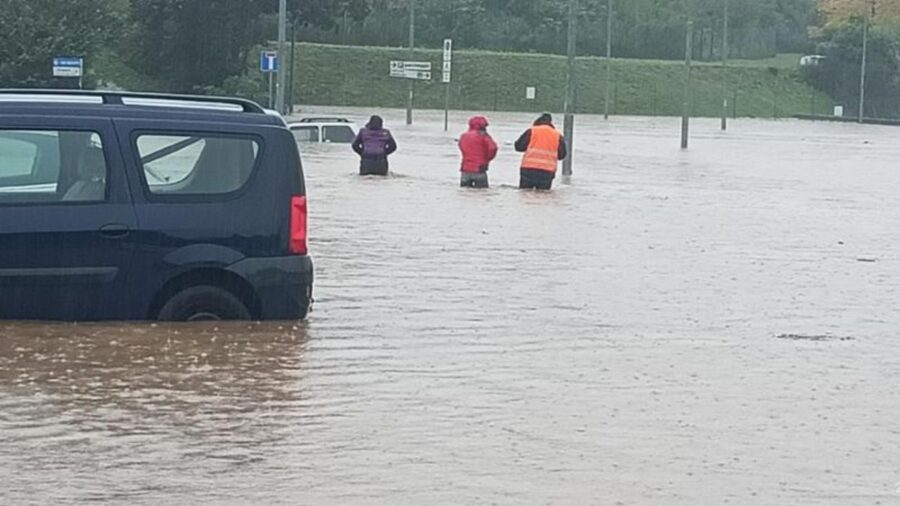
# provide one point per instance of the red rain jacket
(477, 146)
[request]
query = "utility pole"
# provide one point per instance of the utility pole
(865, 54)
(412, 43)
(569, 106)
(688, 56)
(609, 28)
(282, 35)
(290, 93)
(724, 65)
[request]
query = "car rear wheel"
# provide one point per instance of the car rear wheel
(204, 303)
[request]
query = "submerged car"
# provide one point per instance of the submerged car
(127, 206)
(327, 130)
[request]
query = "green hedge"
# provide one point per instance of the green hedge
(489, 81)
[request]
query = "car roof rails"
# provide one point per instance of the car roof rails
(324, 119)
(130, 98)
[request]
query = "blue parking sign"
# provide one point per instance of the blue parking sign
(268, 61)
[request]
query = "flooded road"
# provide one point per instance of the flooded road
(714, 326)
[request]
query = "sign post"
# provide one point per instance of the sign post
(445, 78)
(69, 67)
(268, 64)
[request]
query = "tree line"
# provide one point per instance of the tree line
(200, 45)
(839, 38)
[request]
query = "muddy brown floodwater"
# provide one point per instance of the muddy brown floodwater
(716, 326)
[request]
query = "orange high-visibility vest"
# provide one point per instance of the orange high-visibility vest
(543, 150)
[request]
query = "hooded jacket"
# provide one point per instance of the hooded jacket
(374, 141)
(477, 146)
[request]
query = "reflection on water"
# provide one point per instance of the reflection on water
(619, 340)
(99, 412)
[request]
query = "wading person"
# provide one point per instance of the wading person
(478, 149)
(544, 147)
(374, 144)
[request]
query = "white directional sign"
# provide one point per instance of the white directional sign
(419, 70)
(68, 67)
(448, 59)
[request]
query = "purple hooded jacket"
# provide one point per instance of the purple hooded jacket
(374, 140)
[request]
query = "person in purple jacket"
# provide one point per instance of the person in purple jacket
(373, 144)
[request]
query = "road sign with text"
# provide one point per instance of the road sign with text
(418, 70)
(68, 67)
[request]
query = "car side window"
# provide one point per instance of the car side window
(40, 166)
(306, 134)
(196, 164)
(338, 134)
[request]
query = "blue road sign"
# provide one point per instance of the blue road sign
(268, 61)
(68, 67)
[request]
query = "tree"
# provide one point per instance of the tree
(192, 44)
(838, 75)
(33, 32)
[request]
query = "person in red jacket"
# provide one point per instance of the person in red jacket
(478, 149)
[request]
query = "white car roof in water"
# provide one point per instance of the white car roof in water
(297, 124)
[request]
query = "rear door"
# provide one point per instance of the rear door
(206, 195)
(65, 220)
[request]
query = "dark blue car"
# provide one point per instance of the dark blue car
(122, 206)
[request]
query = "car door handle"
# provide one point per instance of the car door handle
(114, 231)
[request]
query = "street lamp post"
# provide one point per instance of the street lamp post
(724, 65)
(569, 106)
(862, 71)
(688, 55)
(282, 73)
(609, 28)
(412, 42)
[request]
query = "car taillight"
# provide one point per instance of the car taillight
(298, 244)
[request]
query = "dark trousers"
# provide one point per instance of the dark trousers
(533, 179)
(473, 180)
(373, 166)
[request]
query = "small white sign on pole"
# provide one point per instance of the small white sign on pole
(530, 93)
(448, 59)
(839, 111)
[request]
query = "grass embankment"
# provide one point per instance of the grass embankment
(488, 81)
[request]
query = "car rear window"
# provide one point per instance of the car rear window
(196, 164)
(39, 166)
(338, 134)
(306, 134)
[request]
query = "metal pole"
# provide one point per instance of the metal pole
(447, 110)
(569, 106)
(412, 43)
(725, 65)
(685, 118)
(609, 27)
(862, 73)
(282, 76)
(270, 91)
(291, 86)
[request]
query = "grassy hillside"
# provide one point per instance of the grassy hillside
(358, 76)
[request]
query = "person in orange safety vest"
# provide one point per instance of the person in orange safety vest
(544, 147)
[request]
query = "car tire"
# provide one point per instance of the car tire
(204, 303)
